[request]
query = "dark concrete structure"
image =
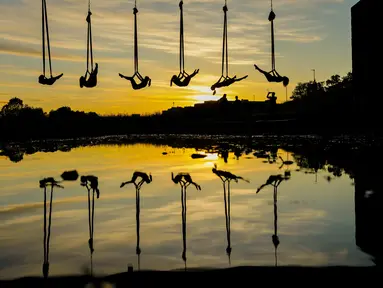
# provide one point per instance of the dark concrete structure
(368, 208)
(367, 53)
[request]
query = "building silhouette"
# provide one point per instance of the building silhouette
(366, 29)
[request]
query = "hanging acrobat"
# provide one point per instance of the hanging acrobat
(183, 78)
(91, 81)
(42, 78)
(225, 81)
(143, 81)
(273, 75)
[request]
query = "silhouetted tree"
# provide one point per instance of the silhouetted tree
(13, 107)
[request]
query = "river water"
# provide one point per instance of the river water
(308, 220)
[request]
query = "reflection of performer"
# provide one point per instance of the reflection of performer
(227, 218)
(226, 176)
(91, 183)
(275, 237)
(275, 181)
(44, 183)
(184, 179)
(145, 178)
(138, 210)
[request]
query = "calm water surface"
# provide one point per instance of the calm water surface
(315, 224)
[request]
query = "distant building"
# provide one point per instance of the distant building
(211, 108)
(366, 33)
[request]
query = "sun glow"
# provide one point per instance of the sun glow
(205, 97)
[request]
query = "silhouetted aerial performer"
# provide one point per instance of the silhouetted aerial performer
(44, 183)
(143, 81)
(225, 80)
(45, 32)
(226, 176)
(184, 179)
(273, 75)
(89, 80)
(145, 178)
(183, 78)
(91, 183)
(275, 181)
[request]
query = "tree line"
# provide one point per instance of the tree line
(314, 107)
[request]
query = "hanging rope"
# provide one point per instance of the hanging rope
(143, 81)
(182, 53)
(184, 213)
(89, 48)
(43, 32)
(271, 19)
(45, 29)
(225, 55)
(138, 249)
(135, 11)
(272, 47)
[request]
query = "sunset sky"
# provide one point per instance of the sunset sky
(310, 34)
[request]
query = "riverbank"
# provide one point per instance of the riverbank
(297, 276)
(210, 143)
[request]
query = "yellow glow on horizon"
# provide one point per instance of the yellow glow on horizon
(211, 157)
(203, 98)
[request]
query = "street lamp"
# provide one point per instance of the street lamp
(314, 74)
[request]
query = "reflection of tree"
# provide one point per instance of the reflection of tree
(275, 181)
(12, 108)
(306, 162)
(184, 179)
(210, 145)
(334, 162)
(14, 155)
(286, 163)
(44, 183)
